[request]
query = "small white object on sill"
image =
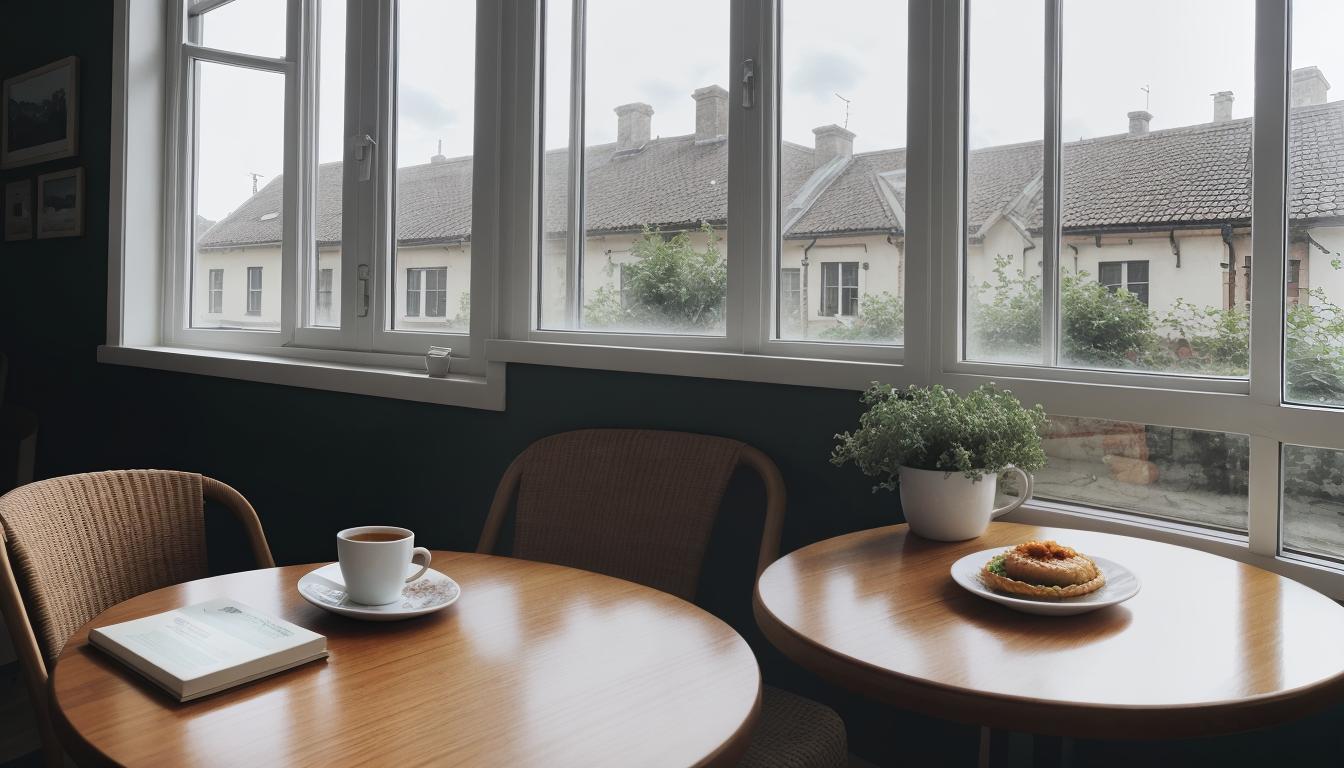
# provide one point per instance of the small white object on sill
(438, 361)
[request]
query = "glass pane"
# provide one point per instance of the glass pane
(842, 168)
(1313, 501)
(1180, 474)
(325, 274)
(435, 140)
(654, 204)
(237, 194)
(242, 26)
(1004, 119)
(1156, 176)
(1314, 341)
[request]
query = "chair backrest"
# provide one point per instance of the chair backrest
(635, 504)
(71, 547)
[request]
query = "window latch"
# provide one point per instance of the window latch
(748, 83)
(362, 272)
(364, 155)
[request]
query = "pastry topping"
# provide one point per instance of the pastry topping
(1045, 550)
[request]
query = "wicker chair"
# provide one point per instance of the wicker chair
(71, 547)
(640, 505)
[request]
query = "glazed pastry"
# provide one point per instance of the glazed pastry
(1042, 569)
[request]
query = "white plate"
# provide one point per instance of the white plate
(1121, 584)
(325, 588)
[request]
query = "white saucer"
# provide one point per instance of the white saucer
(325, 588)
(1121, 584)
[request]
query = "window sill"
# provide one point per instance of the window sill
(737, 366)
(1319, 575)
(391, 381)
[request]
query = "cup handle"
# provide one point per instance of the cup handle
(1021, 498)
(424, 566)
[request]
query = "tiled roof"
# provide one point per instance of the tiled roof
(1196, 174)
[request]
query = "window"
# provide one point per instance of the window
(636, 138)
(216, 291)
(790, 297)
(842, 165)
(1129, 275)
(839, 288)
(324, 293)
(435, 142)
(1078, 222)
(338, 188)
(254, 290)
(426, 292)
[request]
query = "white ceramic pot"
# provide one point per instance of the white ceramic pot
(949, 506)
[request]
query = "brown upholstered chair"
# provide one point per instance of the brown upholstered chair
(71, 547)
(640, 505)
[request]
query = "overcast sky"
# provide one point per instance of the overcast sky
(1182, 50)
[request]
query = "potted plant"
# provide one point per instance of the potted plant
(945, 452)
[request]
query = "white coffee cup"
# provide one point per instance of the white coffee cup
(373, 562)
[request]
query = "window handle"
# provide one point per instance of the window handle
(362, 272)
(364, 155)
(748, 83)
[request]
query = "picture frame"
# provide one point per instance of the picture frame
(39, 114)
(60, 204)
(19, 210)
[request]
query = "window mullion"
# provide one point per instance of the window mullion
(1269, 236)
(752, 238)
(575, 240)
(1052, 181)
(296, 203)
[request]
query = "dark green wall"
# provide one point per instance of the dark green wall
(313, 462)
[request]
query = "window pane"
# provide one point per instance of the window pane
(1156, 175)
(1313, 501)
(842, 166)
(1179, 474)
(1004, 119)
(655, 170)
(237, 191)
(242, 26)
(1314, 341)
(327, 230)
(435, 140)
(255, 287)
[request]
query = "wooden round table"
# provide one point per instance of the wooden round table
(536, 664)
(1208, 646)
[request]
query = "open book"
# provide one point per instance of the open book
(205, 648)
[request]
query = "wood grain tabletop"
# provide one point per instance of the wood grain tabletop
(1209, 645)
(536, 664)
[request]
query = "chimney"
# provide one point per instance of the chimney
(832, 141)
(634, 125)
(1222, 106)
(1309, 87)
(1138, 122)
(438, 157)
(711, 114)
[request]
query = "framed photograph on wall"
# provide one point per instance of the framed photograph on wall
(19, 210)
(60, 204)
(40, 114)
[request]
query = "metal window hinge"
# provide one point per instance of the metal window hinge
(364, 146)
(748, 83)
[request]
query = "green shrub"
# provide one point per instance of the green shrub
(881, 318)
(670, 286)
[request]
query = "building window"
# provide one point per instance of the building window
(790, 294)
(324, 287)
(1130, 275)
(216, 291)
(625, 286)
(427, 292)
(254, 290)
(839, 288)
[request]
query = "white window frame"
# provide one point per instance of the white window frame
(422, 291)
(258, 291)
(1125, 279)
(149, 254)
